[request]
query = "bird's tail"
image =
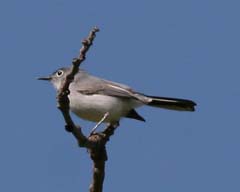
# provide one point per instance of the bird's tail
(172, 103)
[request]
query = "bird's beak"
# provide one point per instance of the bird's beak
(44, 78)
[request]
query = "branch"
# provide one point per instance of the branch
(62, 95)
(96, 142)
(99, 156)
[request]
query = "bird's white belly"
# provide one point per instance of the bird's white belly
(93, 107)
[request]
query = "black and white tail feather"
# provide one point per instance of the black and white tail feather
(172, 103)
(162, 102)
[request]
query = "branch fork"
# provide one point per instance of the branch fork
(96, 142)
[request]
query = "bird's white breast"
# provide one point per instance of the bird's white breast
(93, 107)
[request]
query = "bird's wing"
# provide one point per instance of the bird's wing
(111, 89)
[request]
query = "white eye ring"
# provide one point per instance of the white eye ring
(59, 73)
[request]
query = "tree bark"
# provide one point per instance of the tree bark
(96, 142)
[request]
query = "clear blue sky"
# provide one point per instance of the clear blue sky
(187, 49)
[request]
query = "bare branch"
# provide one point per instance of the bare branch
(62, 95)
(96, 142)
(99, 156)
(86, 43)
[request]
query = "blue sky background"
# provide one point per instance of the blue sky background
(187, 49)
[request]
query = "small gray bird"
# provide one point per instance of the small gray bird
(91, 98)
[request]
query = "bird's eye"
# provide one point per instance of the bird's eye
(59, 73)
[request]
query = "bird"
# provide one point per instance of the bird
(95, 99)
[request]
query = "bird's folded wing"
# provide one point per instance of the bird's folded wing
(113, 89)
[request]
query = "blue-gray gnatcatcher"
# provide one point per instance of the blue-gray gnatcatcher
(91, 98)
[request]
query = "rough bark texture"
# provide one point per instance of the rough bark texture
(96, 142)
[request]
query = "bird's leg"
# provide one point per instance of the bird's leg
(99, 123)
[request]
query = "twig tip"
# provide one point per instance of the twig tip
(96, 29)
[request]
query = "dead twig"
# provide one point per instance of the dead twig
(96, 142)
